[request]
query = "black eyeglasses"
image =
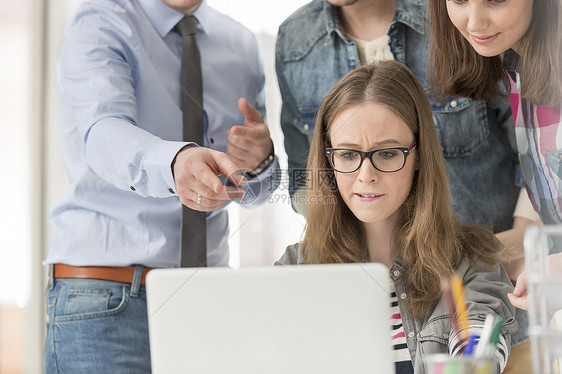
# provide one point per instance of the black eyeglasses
(387, 160)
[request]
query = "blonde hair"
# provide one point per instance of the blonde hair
(429, 240)
(456, 69)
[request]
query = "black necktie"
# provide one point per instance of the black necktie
(193, 225)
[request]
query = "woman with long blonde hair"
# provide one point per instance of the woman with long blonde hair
(485, 49)
(382, 195)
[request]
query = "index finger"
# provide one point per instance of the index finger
(224, 166)
(216, 190)
(518, 301)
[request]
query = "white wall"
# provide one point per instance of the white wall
(15, 161)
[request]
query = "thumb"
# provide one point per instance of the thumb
(251, 114)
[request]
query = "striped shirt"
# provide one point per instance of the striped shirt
(402, 359)
(539, 141)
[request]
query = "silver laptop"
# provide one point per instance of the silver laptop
(283, 319)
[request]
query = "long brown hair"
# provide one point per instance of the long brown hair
(456, 69)
(429, 240)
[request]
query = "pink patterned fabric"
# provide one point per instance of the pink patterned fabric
(539, 141)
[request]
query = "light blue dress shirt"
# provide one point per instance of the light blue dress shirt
(121, 125)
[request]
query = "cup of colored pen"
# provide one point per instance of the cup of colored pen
(445, 364)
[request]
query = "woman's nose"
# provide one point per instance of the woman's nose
(478, 18)
(367, 172)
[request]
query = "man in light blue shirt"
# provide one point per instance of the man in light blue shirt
(130, 171)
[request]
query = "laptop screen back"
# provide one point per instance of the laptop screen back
(284, 319)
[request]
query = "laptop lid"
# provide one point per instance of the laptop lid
(282, 319)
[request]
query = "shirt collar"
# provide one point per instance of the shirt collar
(510, 60)
(330, 16)
(164, 18)
(409, 12)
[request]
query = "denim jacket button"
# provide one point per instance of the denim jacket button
(445, 336)
(453, 104)
(396, 273)
(306, 127)
(411, 335)
(403, 296)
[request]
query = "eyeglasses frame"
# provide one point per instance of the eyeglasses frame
(405, 150)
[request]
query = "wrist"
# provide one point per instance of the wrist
(185, 147)
(264, 164)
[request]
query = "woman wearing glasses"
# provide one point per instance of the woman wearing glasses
(375, 137)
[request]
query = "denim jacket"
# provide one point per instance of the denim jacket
(485, 292)
(477, 138)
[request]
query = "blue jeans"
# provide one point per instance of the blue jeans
(96, 326)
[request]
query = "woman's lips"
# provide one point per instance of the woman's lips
(368, 196)
(483, 39)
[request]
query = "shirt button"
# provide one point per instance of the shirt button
(171, 191)
(133, 188)
(396, 273)
(402, 296)
(445, 336)
(454, 104)
(306, 127)
(411, 335)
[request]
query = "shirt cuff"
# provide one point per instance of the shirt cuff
(158, 166)
(259, 188)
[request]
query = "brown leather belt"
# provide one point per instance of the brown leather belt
(122, 274)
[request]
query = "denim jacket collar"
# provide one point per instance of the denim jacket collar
(410, 13)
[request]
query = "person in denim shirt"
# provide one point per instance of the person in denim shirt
(390, 204)
(314, 51)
